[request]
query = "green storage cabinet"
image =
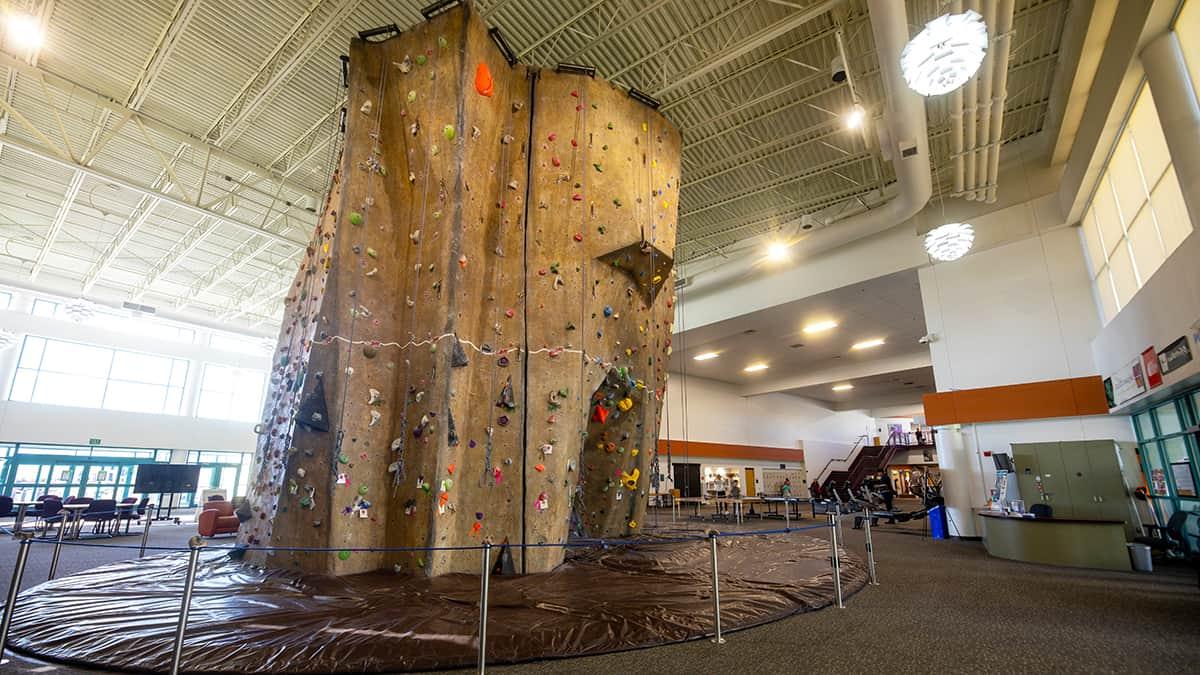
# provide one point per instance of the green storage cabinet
(1079, 479)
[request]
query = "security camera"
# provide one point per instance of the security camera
(837, 69)
(926, 339)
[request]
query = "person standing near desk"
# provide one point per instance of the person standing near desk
(785, 490)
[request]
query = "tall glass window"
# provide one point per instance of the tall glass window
(228, 393)
(1137, 216)
(57, 372)
(5, 299)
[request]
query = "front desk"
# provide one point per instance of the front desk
(1071, 542)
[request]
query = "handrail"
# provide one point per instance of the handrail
(860, 440)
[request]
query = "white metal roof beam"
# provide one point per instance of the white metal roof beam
(60, 217)
(73, 90)
(779, 182)
(735, 51)
(306, 35)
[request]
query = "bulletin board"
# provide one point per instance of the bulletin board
(772, 481)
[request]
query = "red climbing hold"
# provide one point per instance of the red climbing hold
(539, 467)
(577, 197)
(552, 136)
(578, 236)
(483, 79)
(600, 414)
(555, 161)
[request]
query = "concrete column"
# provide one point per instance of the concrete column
(1178, 113)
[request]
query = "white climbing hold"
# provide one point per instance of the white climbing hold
(366, 108)
(375, 417)
(374, 397)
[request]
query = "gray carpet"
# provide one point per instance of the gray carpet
(941, 606)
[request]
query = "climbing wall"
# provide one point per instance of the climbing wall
(474, 346)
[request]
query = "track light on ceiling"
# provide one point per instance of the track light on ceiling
(855, 117)
(867, 344)
(819, 327)
(755, 367)
(777, 251)
(950, 241)
(945, 54)
(706, 356)
(843, 387)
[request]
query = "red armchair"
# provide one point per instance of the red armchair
(217, 518)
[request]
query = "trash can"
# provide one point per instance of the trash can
(937, 522)
(1139, 555)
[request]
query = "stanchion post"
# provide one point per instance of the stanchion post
(712, 539)
(484, 577)
(870, 548)
(146, 533)
(195, 544)
(787, 514)
(834, 561)
(14, 587)
(62, 526)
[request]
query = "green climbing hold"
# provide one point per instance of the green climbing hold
(421, 59)
(597, 167)
(356, 218)
(610, 126)
(343, 555)
(442, 41)
(362, 489)
(412, 96)
(343, 459)
(448, 132)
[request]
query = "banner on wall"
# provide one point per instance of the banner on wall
(1176, 355)
(1150, 366)
(1158, 482)
(1128, 383)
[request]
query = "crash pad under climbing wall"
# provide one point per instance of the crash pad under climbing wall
(475, 346)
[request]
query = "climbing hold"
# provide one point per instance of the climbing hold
(483, 79)
(405, 66)
(542, 502)
(442, 41)
(374, 397)
(412, 96)
(625, 404)
(633, 524)
(301, 473)
(506, 396)
(362, 489)
(450, 469)
(552, 137)
(475, 528)
(415, 236)
(633, 452)
(421, 59)
(629, 480)
(596, 166)
(343, 555)
(547, 449)
(462, 261)
(600, 414)
(366, 108)
(375, 417)
(448, 132)
(539, 467)
(356, 218)
(458, 356)
(608, 311)
(578, 236)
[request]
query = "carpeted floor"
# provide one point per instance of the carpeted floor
(940, 606)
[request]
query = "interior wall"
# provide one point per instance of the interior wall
(1019, 312)
(716, 413)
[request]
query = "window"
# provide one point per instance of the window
(57, 372)
(228, 393)
(145, 327)
(45, 308)
(5, 299)
(1170, 456)
(1137, 216)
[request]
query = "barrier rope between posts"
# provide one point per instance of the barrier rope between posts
(197, 544)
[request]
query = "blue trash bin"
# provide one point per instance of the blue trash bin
(937, 522)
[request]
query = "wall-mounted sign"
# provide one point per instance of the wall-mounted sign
(1150, 366)
(1128, 382)
(1185, 485)
(1175, 355)
(93, 441)
(1108, 392)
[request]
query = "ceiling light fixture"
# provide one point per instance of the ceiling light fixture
(24, 31)
(777, 251)
(755, 367)
(843, 387)
(856, 116)
(867, 344)
(945, 54)
(950, 241)
(79, 310)
(819, 327)
(706, 356)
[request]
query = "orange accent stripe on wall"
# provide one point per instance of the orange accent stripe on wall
(681, 448)
(1028, 401)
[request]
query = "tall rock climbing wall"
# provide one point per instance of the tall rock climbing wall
(475, 345)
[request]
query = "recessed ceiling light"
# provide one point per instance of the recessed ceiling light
(842, 387)
(820, 327)
(24, 31)
(796, 345)
(777, 251)
(867, 344)
(750, 331)
(755, 367)
(706, 356)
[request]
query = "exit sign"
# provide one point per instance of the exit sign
(93, 441)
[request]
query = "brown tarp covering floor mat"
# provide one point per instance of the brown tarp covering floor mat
(243, 619)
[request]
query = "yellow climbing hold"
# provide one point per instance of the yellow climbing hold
(625, 404)
(629, 480)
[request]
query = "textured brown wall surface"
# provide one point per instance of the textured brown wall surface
(530, 223)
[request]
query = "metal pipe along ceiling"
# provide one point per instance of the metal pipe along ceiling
(909, 139)
(978, 108)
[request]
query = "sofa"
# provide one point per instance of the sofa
(217, 517)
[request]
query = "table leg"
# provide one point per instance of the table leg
(20, 520)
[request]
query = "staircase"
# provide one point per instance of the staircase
(870, 458)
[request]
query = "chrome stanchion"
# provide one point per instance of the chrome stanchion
(787, 514)
(62, 526)
(712, 538)
(195, 544)
(870, 548)
(833, 559)
(484, 576)
(837, 510)
(14, 587)
(146, 533)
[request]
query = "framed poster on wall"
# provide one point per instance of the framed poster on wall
(1175, 356)
(1158, 482)
(1185, 485)
(1150, 366)
(1128, 382)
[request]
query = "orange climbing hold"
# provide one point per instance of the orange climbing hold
(483, 79)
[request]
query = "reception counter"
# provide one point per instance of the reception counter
(1071, 542)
